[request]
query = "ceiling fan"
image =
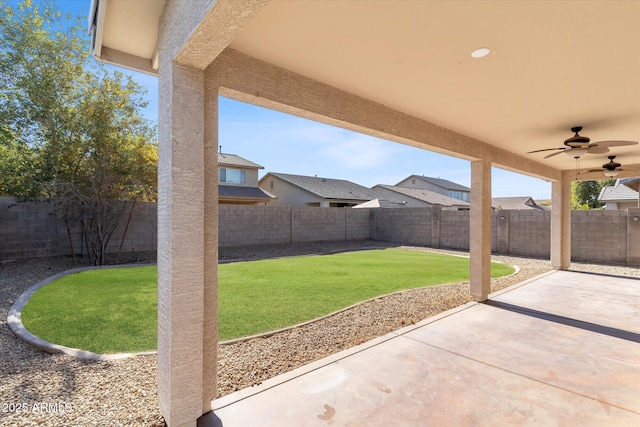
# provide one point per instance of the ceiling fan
(578, 145)
(610, 169)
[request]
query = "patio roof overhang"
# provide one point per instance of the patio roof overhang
(397, 70)
(553, 65)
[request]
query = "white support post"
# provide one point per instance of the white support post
(210, 321)
(561, 223)
(187, 245)
(480, 229)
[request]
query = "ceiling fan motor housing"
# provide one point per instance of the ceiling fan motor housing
(576, 141)
(611, 166)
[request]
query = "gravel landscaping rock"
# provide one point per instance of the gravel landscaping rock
(38, 388)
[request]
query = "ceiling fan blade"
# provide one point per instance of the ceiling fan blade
(547, 149)
(594, 170)
(615, 143)
(598, 149)
(554, 154)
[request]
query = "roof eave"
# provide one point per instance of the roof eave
(241, 166)
(126, 60)
(244, 199)
(101, 53)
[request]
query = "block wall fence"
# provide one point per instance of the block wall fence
(32, 230)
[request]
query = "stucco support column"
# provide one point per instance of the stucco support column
(187, 244)
(561, 223)
(480, 229)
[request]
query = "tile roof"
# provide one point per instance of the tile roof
(425, 196)
(508, 203)
(327, 188)
(633, 183)
(444, 183)
(243, 192)
(235, 160)
(618, 192)
(381, 203)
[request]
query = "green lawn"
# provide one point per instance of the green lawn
(114, 310)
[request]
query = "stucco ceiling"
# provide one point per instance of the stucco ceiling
(553, 65)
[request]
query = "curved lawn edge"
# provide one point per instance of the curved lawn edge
(317, 319)
(14, 318)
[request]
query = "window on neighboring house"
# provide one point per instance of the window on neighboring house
(460, 195)
(271, 185)
(233, 176)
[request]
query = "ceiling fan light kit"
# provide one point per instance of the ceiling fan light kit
(575, 152)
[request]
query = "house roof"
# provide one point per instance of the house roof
(327, 188)
(381, 203)
(444, 183)
(632, 183)
(240, 192)
(425, 196)
(617, 193)
(235, 160)
(525, 202)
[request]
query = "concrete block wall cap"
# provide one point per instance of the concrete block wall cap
(14, 320)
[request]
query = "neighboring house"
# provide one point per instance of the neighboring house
(238, 181)
(515, 203)
(300, 190)
(632, 183)
(381, 203)
(437, 185)
(620, 196)
(417, 197)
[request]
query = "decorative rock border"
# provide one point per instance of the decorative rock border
(14, 318)
(298, 325)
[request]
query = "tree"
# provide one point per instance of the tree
(113, 162)
(584, 194)
(39, 66)
(16, 165)
(70, 129)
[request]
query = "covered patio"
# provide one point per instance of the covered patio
(409, 72)
(559, 349)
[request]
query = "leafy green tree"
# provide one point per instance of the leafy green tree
(16, 165)
(70, 129)
(584, 194)
(39, 68)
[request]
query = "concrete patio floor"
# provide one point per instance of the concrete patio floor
(560, 349)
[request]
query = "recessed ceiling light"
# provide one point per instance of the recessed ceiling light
(481, 52)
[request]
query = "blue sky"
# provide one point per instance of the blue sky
(288, 144)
